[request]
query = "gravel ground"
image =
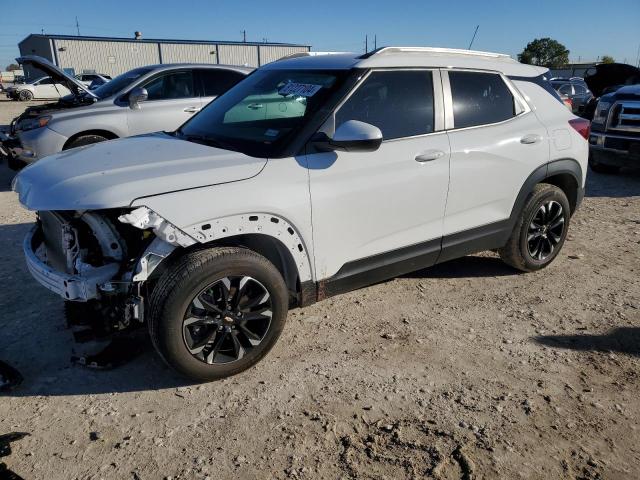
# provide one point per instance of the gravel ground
(465, 370)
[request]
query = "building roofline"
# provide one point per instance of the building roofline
(159, 40)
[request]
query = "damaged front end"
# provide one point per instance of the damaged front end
(103, 258)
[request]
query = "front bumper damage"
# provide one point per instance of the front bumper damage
(75, 287)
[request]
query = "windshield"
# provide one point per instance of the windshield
(120, 82)
(261, 114)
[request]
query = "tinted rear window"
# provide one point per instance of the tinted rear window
(479, 99)
(216, 82)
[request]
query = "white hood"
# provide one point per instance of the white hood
(113, 174)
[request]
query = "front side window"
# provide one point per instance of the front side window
(171, 86)
(262, 115)
(399, 103)
(46, 81)
(480, 99)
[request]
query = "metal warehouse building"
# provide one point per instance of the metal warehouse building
(113, 56)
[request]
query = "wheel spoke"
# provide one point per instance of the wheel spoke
(211, 356)
(253, 338)
(238, 349)
(199, 346)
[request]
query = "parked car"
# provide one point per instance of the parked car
(575, 90)
(43, 88)
(355, 170)
(607, 78)
(88, 78)
(143, 100)
(615, 131)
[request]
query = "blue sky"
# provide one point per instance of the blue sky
(505, 25)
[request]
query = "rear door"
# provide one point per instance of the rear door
(173, 99)
(496, 143)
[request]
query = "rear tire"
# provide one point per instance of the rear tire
(540, 231)
(205, 321)
(85, 140)
(25, 95)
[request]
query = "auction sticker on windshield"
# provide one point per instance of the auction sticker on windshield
(300, 89)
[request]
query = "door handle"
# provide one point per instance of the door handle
(429, 156)
(255, 106)
(531, 139)
(192, 109)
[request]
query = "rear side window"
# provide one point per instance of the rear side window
(479, 99)
(399, 103)
(216, 82)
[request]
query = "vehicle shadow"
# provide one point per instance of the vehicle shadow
(36, 342)
(623, 184)
(621, 340)
(466, 267)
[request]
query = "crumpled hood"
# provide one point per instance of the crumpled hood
(113, 174)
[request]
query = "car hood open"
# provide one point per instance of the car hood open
(115, 173)
(57, 74)
(611, 74)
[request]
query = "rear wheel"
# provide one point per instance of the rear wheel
(217, 312)
(85, 140)
(541, 230)
(25, 95)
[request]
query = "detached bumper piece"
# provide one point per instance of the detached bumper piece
(69, 287)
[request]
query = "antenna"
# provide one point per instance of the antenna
(474, 36)
(375, 42)
(77, 26)
(366, 43)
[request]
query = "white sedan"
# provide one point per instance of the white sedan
(43, 88)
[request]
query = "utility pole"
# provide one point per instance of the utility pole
(77, 26)
(375, 42)
(474, 36)
(366, 43)
(244, 36)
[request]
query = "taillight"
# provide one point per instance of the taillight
(582, 126)
(568, 103)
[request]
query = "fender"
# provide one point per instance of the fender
(256, 223)
(556, 167)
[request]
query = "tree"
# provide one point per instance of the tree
(13, 66)
(545, 52)
(608, 59)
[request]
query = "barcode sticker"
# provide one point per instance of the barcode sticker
(300, 89)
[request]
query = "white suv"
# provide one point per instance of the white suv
(311, 177)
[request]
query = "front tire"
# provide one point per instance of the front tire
(541, 230)
(216, 312)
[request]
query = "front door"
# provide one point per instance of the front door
(172, 101)
(377, 210)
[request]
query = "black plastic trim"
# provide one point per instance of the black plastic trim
(486, 237)
(374, 269)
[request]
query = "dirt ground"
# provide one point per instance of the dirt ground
(465, 370)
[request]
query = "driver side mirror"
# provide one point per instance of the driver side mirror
(352, 136)
(137, 96)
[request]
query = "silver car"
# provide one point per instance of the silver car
(143, 100)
